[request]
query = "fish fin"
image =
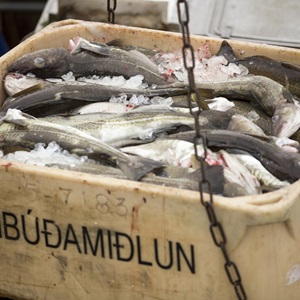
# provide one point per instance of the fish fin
(143, 58)
(28, 90)
(116, 43)
(267, 189)
(74, 97)
(15, 116)
(21, 122)
(287, 95)
(260, 137)
(130, 142)
(138, 167)
(215, 176)
(227, 51)
(290, 66)
(257, 57)
(206, 94)
(101, 51)
(202, 104)
(80, 152)
(286, 82)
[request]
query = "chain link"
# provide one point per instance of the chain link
(216, 228)
(111, 7)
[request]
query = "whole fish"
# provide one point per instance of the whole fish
(109, 61)
(18, 130)
(264, 92)
(78, 44)
(284, 73)
(143, 123)
(282, 164)
(260, 90)
(62, 97)
(161, 176)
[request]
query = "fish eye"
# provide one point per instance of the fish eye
(275, 118)
(39, 62)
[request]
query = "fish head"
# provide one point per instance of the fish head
(286, 120)
(16, 82)
(11, 82)
(43, 63)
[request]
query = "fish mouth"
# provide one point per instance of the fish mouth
(286, 120)
(15, 75)
(73, 44)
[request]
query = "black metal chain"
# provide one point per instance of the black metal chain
(111, 7)
(215, 227)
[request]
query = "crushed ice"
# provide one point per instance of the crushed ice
(43, 155)
(141, 100)
(207, 67)
(133, 82)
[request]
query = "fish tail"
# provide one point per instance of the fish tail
(227, 51)
(215, 176)
(138, 166)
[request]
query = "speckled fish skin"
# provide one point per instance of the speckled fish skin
(61, 97)
(241, 123)
(283, 165)
(27, 132)
(282, 72)
(98, 169)
(243, 108)
(140, 123)
(127, 125)
(55, 62)
(161, 176)
(262, 174)
(264, 92)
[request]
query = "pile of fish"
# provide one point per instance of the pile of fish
(125, 110)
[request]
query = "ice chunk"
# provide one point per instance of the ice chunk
(43, 155)
(120, 99)
(161, 101)
(13, 114)
(68, 77)
(206, 67)
(134, 81)
(139, 100)
(253, 115)
(220, 103)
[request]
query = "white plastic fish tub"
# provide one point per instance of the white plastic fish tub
(69, 235)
